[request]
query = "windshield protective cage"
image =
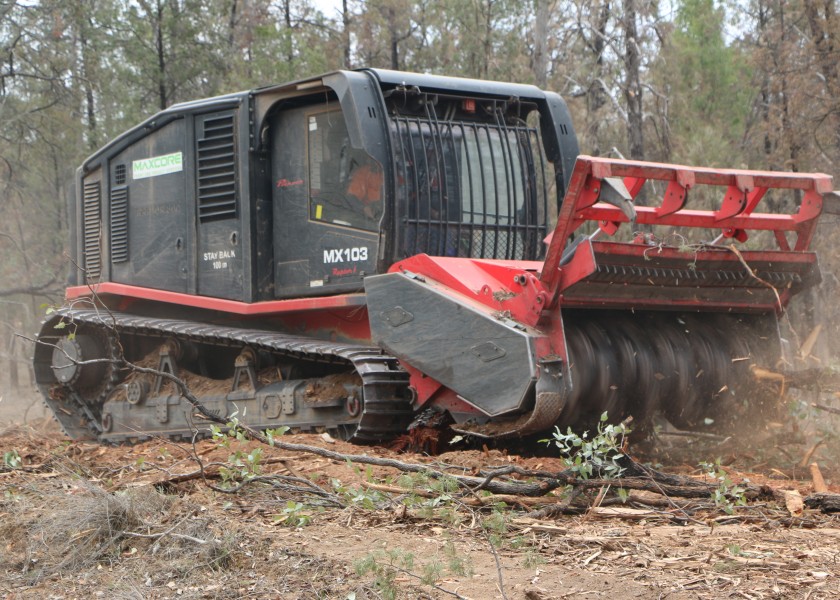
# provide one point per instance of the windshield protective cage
(468, 187)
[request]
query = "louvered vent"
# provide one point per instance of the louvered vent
(119, 225)
(92, 224)
(217, 169)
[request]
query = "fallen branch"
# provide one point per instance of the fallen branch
(622, 512)
(283, 482)
(696, 434)
(823, 379)
(752, 274)
(501, 583)
(429, 583)
(540, 484)
(157, 536)
(556, 509)
(467, 500)
(210, 471)
(827, 503)
(829, 409)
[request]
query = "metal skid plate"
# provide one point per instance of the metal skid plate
(486, 358)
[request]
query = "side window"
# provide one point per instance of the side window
(345, 183)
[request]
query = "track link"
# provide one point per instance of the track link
(386, 410)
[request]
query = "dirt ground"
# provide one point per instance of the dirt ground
(80, 520)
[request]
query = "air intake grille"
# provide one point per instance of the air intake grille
(119, 225)
(217, 169)
(92, 223)
(119, 174)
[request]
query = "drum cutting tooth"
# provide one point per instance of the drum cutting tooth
(691, 368)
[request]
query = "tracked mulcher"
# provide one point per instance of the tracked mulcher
(347, 251)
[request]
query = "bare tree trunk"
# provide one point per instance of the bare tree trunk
(24, 250)
(345, 33)
(542, 13)
(80, 26)
(161, 56)
(596, 94)
(488, 41)
(788, 134)
(11, 366)
(763, 21)
(632, 82)
(395, 39)
(823, 23)
(60, 206)
(287, 18)
(232, 24)
(90, 105)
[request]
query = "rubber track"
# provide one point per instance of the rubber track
(387, 409)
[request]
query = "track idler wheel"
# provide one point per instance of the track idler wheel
(79, 361)
(76, 373)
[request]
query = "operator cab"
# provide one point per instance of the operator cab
(374, 166)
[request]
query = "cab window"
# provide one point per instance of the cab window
(346, 184)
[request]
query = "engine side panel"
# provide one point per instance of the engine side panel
(221, 206)
(167, 205)
(149, 212)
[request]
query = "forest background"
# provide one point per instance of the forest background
(742, 84)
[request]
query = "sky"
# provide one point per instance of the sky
(330, 8)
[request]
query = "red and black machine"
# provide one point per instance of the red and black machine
(346, 251)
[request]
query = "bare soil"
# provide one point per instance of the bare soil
(80, 520)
